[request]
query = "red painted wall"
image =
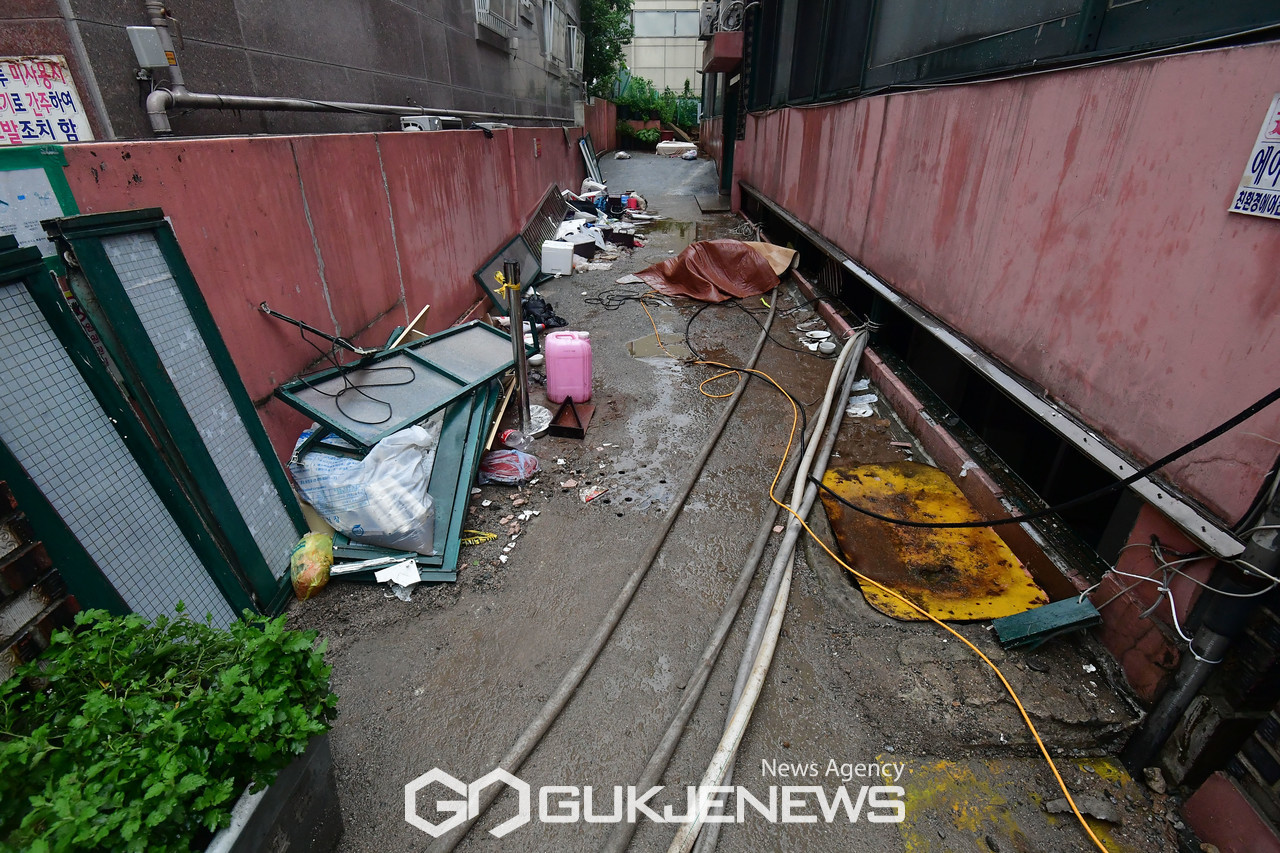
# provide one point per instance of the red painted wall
(711, 138)
(602, 124)
(1074, 225)
(348, 232)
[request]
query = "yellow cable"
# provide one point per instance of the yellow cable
(795, 419)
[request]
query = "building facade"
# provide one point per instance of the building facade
(665, 48)
(1060, 217)
(494, 56)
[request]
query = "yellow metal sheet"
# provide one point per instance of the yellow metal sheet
(954, 574)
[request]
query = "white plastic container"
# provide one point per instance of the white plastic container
(568, 366)
(557, 257)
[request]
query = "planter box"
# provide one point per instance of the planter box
(299, 811)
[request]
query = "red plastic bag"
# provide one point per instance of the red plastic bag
(508, 467)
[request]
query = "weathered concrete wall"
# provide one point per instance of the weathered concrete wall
(1073, 224)
(430, 52)
(602, 124)
(347, 232)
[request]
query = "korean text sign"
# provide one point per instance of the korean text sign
(39, 103)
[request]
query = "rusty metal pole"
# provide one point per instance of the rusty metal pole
(515, 310)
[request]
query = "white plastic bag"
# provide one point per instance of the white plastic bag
(381, 499)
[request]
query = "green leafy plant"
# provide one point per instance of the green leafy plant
(139, 737)
(639, 137)
(639, 97)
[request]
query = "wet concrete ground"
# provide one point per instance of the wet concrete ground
(451, 678)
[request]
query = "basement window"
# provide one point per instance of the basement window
(1032, 464)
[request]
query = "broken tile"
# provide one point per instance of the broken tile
(590, 494)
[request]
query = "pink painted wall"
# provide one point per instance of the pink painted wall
(1074, 225)
(711, 138)
(348, 232)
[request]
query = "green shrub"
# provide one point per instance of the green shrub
(647, 136)
(140, 737)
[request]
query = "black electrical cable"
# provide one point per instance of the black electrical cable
(1096, 493)
(348, 385)
(804, 412)
(614, 298)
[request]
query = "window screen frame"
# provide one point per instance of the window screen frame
(231, 552)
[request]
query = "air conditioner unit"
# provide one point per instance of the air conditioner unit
(421, 123)
(707, 19)
(731, 15)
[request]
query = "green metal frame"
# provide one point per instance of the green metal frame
(457, 459)
(289, 392)
(226, 545)
(49, 159)
(526, 280)
(84, 578)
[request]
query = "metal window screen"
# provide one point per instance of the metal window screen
(545, 221)
(471, 354)
(145, 274)
(54, 426)
(363, 403)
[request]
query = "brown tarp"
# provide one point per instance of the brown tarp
(712, 271)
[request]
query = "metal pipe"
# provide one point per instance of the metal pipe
(159, 20)
(176, 96)
(1224, 621)
(162, 100)
(533, 733)
(620, 838)
(515, 310)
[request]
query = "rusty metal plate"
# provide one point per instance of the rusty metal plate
(954, 574)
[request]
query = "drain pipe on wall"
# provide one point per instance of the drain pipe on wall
(176, 96)
(1225, 619)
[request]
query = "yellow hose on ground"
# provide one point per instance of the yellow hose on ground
(795, 419)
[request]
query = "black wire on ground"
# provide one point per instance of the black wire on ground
(348, 385)
(1096, 493)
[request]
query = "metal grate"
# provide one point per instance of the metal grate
(471, 354)
(546, 219)
(53, 425)
(155, 296)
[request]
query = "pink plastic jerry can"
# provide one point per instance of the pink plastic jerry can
(568, 366)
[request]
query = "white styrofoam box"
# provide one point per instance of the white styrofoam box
(557, 257)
